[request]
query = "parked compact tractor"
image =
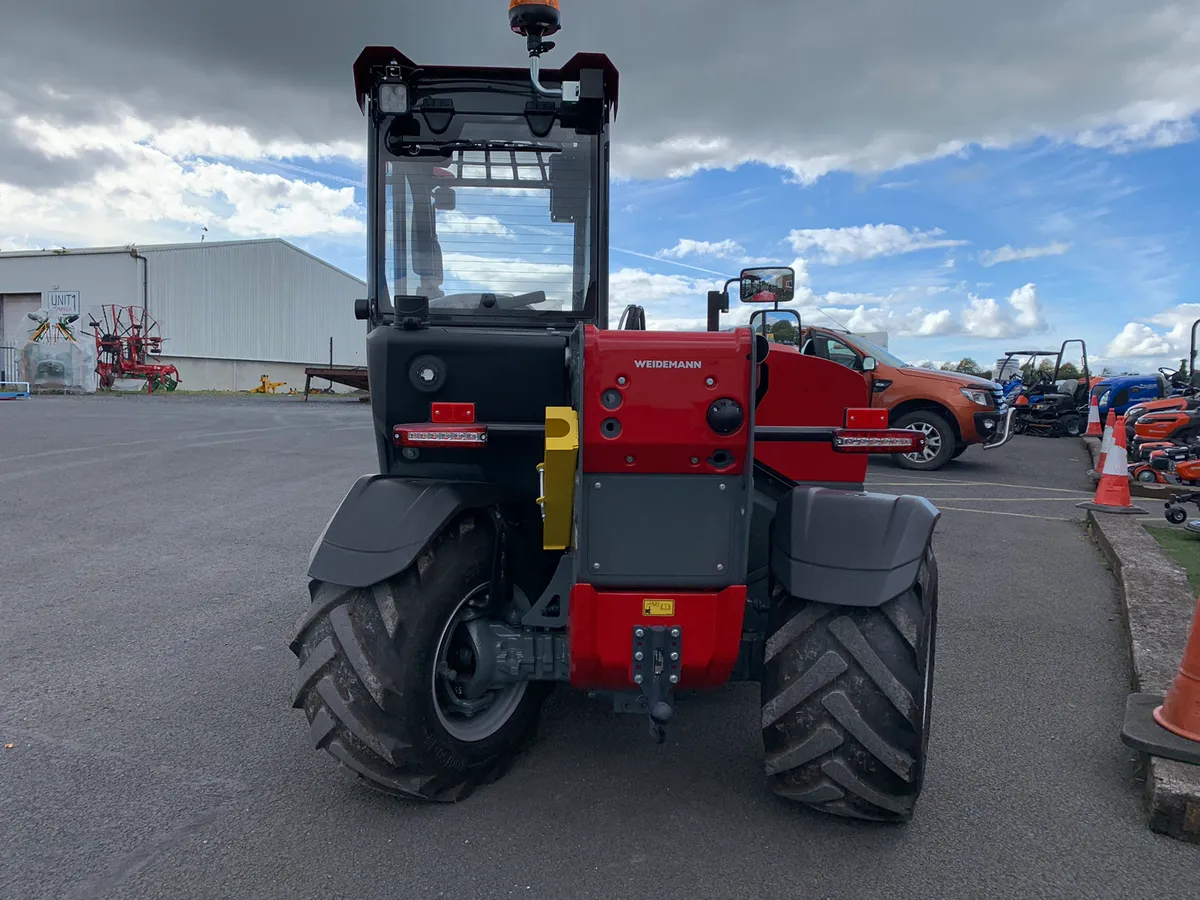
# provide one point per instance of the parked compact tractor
(632, 513)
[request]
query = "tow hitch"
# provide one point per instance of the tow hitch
(656, 668)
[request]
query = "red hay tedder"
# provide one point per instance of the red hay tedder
(127, 343)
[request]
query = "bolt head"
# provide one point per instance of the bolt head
(596, 485)
(638, 655)
(629, 459)
(637, 679)
(695, 460)
(674, 655)
(722, 485)
(639, 632)
(720, 567)
(621, 380)
(709, 381)
(674, 632)
(674, 679)
(595, 567)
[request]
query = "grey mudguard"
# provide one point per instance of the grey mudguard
(847, 548)
(384, 523)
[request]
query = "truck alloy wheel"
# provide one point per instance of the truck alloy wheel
(939, 440)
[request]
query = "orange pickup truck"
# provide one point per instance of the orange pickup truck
(954, 411)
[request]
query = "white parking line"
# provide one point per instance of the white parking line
(996, 512)
(1028, 487)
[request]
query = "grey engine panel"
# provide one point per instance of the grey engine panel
(853, 549)
(663, 531)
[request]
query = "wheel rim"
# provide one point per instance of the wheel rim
(468, 719)
(933, 442)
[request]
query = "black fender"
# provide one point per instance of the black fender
(849, 548)
(384, 523)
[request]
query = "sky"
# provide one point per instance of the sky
(968, 177)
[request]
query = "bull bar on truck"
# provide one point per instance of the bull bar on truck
(1004, 433)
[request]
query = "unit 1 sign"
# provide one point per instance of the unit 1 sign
(62, 303)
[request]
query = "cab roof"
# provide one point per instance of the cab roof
(373, 57)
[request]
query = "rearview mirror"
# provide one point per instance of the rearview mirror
(869, 364)
(774, 285)
(444, 197)
(779, 326)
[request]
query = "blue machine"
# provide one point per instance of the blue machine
(1123, 391)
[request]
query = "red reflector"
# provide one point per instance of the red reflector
(866, 418)
(885, 440)
(453, 413)
(440, 435)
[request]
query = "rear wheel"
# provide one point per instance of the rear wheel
(846, 701)
(385, 672)
(940, 440)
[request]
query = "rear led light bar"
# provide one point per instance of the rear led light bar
(883, 440)
(433, 435)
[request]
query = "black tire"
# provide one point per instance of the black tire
(935, 424)
(1146, 476)
(1071, 424)
(1176, 515)
(846, 701)
(366, 676)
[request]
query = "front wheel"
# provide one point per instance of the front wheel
(1072, 425)
(1176, 515)
(846, 699)
(385, 675)
(939, 440)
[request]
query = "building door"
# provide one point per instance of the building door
(15, 324)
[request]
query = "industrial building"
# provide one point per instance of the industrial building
(229, 311)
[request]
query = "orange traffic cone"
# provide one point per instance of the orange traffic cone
(1170, 726)
(1093, 429)
(1112, 493)
(1105, 444)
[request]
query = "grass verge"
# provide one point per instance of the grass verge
(1181, 546)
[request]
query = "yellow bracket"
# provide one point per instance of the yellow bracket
(557, 476)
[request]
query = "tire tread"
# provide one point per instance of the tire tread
(844, 724)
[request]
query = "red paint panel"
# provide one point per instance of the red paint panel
(600, 635)
(662, 378)
(807, 390)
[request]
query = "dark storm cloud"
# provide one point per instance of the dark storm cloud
(26, 167)
(862, 82)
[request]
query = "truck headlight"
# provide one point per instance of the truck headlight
(979, 398)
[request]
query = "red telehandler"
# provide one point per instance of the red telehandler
(629, 512)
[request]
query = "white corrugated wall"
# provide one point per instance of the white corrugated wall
(254, 301)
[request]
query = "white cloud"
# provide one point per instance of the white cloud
(1021, 315)
(1138, 341)
(862, 242)
(1006, 253)
(688, 247)
(154, 187)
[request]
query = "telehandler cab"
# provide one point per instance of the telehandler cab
(630, 512)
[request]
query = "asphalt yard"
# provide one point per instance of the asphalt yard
(152, 558)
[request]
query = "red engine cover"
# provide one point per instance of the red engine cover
(600, 630)
(808, 390)
(666, 382)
